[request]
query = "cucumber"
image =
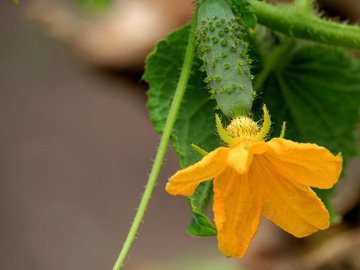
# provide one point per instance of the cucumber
(224, 52)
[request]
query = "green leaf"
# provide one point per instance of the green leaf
(317, 91)
(201, 226)
(195, 123)
(243, 10)
(202, 197)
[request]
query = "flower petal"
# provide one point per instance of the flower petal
(237, 210)
(292, 206)
(241, 156)
(306, 163)
(185, 181)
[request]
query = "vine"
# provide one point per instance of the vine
(294, 21)
(160, 154)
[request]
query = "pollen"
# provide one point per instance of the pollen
(243, 128)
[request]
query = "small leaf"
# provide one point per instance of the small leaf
(199, 202)
(202, 197)
(201, 226)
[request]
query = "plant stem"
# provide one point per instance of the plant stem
(287, 19)
(304, 5)
(272, 62)
(159, 158)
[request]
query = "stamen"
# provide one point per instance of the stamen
(243, 128)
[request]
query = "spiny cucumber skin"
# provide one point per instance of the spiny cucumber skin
(221, 46)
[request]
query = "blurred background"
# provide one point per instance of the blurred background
(76, 146)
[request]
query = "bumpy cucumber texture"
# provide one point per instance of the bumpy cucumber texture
(221, 46)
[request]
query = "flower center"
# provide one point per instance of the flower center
(243, 127)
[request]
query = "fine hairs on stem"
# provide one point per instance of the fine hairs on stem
(294, 21)
(159, 158)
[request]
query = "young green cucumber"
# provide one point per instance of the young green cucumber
(221, 46)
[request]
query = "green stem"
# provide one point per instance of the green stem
(304, 5)
(289, 20)
(159, 158)
(272, 62)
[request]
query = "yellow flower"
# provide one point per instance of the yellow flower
(253, 177)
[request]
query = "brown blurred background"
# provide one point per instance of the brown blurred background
(76, 146)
